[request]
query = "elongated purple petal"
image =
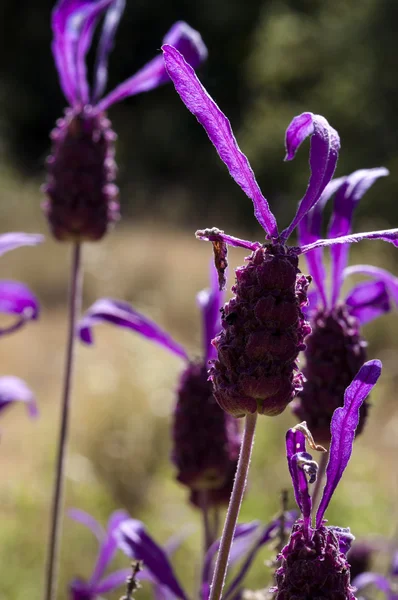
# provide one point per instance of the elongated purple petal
(324, 151)
(216, 235)
(63, 52)
(377, 273)
(188, 41)
(295, 442)
(14, 389)
(124, 315)
(346, 199)
(17, 299)
(109, 546)
(11, 241)
(113, 581)
(219, 130)
(368, 300)
(137, 544)
(344, 423)
(81, 516)
(109, 28)
(387, 235)
(210, 302)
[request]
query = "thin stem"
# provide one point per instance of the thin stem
(319, 479)
(233, 508)
(75, 294)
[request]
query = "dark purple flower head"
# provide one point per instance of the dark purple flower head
(206, 440)
(314, 562)
(82, 198)
(336, 349)
(263, 325)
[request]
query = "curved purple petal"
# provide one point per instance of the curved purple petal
(105, 45)
(216, 235)
(345, 202)
(387, 235)
(219, 130)
(377, 273)
(62, 48)
(17, 299)
(11, 241)
(344, 423)
(84, 518)
(295, 442)
(14, 389)
(324, 152)
(137, 544)
(109, 546)
(210, 302)
(344, 536)
(368, 300)
(188, 41)
(124, 315)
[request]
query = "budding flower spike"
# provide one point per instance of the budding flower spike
(314, 562)
(336, 349)
(82, 196)
(263, 326)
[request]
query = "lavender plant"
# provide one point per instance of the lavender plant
(82, 199)
(264, 328)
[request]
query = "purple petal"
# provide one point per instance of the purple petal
(381, 274)
(63, 52)
(295, 442)
(368, 300)
(187, 40)
(137, 544)
(344, 536)
(124, 315)
(387, 235)
(324, 151)
(14, 389)
(368, 578)
(218, 128)
(80, 590)
(347, 198)
(109, 546)
(215, 235)
(113, 581)
(210, 302)
(81, 516)
(11, 241)
(17, 299)
(344, 423)
(111, 23)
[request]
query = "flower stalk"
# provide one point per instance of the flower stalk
(234, 507)
(74, 303)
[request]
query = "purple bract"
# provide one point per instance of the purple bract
(263, 325)
(82, 196)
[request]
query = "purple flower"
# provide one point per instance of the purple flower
(263, 325)
(82, 197)
(386, 584)
(206, 440)
(314, 562)
(336, 349)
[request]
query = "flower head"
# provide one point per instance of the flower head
(336, 349)
(82, 196)
(263, 325)
(206, 440)
(314, 562)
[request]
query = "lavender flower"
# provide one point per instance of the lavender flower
(82, 197)
(336, 349)
(386, 584)
(205, 439)
(263, 326)
(314, 562)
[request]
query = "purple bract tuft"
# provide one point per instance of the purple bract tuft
(263, 333)
(206, 440)
(335, 353)
(313, 567)
(82, 198)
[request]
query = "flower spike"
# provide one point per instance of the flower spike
(218, 128)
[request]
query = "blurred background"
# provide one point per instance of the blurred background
(268, 61)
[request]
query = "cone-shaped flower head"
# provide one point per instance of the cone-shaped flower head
(314, 562)
(206, 440)
(336, 349)
(82, 196)
(263, 325)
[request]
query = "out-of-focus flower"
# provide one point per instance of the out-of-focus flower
(263, 325)
(82, 197)
(314, 562)
(206, 440)
(336, 349)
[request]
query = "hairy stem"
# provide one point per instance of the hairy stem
(74, 301)
(233, 508)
